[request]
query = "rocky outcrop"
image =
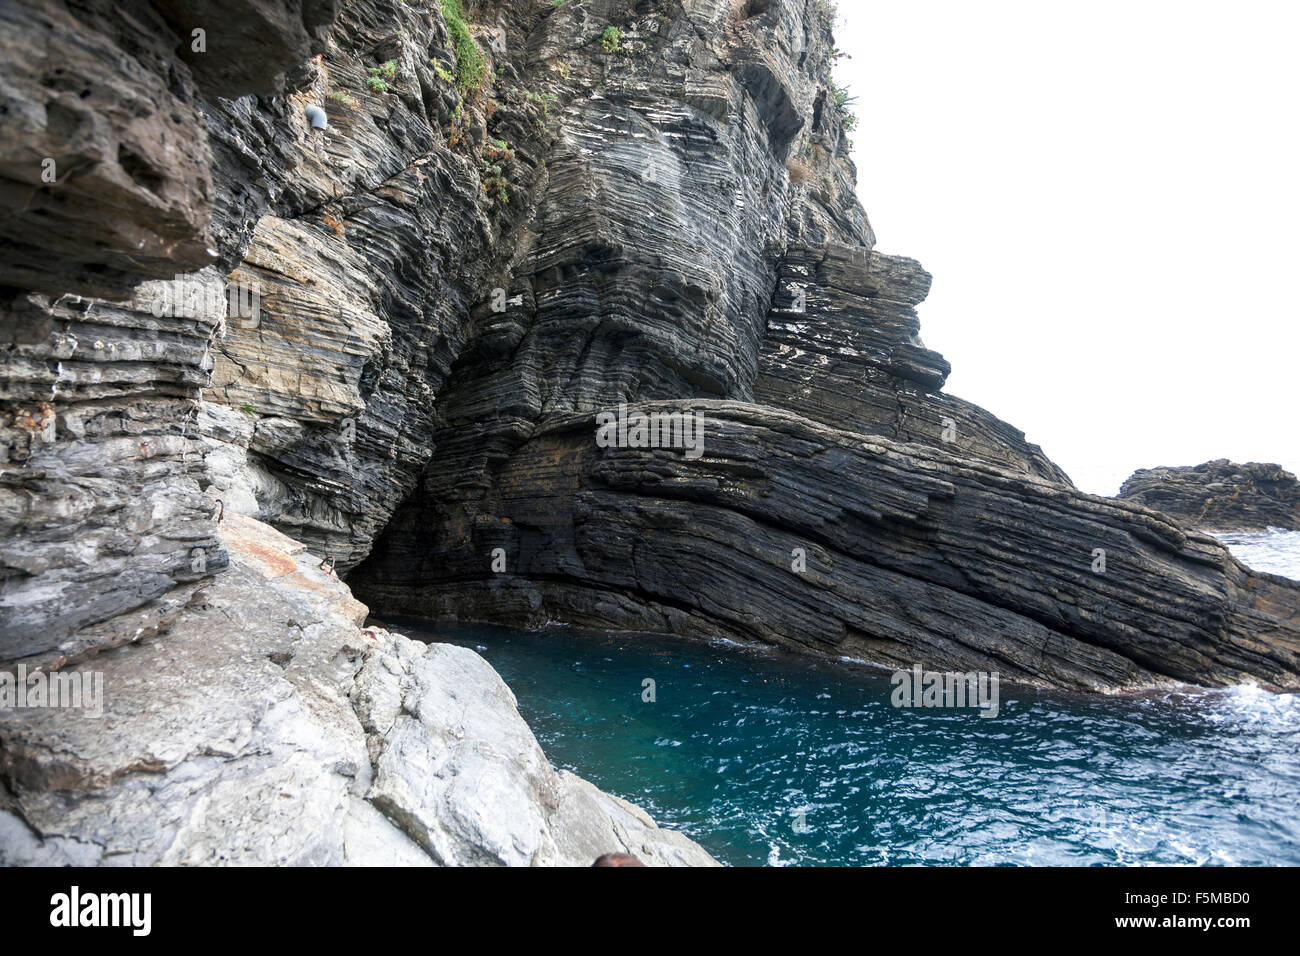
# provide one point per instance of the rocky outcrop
(488, 244)
(105, 169)
(842, 347)
(103, 508)
(268, 727)
(829, 541)
(512, 224)
(103, 525)
(1220, 495)
(265, 727)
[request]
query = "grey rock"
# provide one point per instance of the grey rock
(912, 554)
(268, 727)
(103, 524)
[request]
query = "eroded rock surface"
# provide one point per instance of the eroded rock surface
(1220, 495)
(268, 727)
(839, 543)
(478, 253)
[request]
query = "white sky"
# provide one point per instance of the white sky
(1106, 194)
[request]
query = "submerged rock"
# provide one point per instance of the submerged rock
(1220, 495)
(270, 727)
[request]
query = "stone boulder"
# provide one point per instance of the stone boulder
(269, 727)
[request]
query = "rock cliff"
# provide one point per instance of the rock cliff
(1220, 495)
(521, 216)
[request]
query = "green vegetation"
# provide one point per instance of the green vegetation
(563, 69)
(611, 39)
(471, 70)
(841, 99)
(441, 72)
(496, 154)
(247, 409)
(459, 127)
(543, 99)
(839, 96)
(345, 99)
(381, 76)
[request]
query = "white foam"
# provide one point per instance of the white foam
(1276, 550)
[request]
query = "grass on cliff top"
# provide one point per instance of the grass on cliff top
(471, 70)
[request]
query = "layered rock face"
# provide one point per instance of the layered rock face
(521, 518)
(829, 541)
(515, 220)
(1220, 495)
(842, 347)
(327, 396)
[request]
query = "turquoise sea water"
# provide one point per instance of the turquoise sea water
(771, 759)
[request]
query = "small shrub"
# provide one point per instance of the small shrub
(496, 154)
(611, 39)
(459, 127)
(441, 72)
(841, 99)
(380, 76)
(543, 99)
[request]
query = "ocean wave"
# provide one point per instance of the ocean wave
(1276, 550)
